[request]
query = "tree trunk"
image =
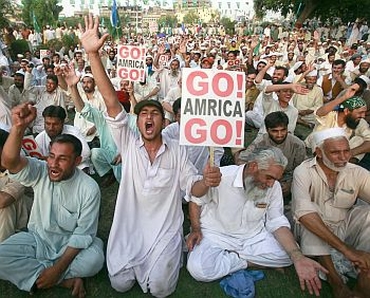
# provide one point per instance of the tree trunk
(309, 8)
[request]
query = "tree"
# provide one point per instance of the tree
(168, 20)
(191, 17)
(347, 10)
(229, 25)
(6, 9)
(46, 11)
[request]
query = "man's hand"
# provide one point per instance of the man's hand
(299, 89)
(117, 160)
(48, 278)
(23, 115)
(70, 75)
(194, 238)
(211, 176)
(359, 258)
(90, 38)
(307, 271)
(91, 131)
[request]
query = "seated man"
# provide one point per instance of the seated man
(241, 223)
(348, 111)
(14, 205)
(324, 190)
(277, 136)
(60, 247)
(54, 117)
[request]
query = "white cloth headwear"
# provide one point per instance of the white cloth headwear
(312, 73)
(322, 135)
(297, 65)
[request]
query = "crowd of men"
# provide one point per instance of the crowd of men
(306, 98)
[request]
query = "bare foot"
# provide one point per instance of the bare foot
(77, 286)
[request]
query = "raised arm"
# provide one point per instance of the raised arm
(92, 43)
(328, 107)
(11, 158)
(71, 80)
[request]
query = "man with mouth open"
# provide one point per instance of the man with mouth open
(60, 247)
(145, 241)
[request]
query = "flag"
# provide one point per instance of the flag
(183, 27)
(35, 24)
(115, 22)
(114, 19)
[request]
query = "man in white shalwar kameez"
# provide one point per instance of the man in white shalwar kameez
(145, 241)
(241, 223)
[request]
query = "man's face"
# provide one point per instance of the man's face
(285, 95)
(175, 65)
(278, 75)
(278, 134)
(337, 69)
(49, 71)
(357, 60)
(260, 66)
(150, 122)
(310, 82)
(50, 85)
(88, 84)
(61, 162)
(53, 126)
(250, 80)
(364, 67)
(18, 81)
(149, 61)
(78, 56)
(81, 64)
(335, 153)
(265, 178)
(352, 118)
(290, 56)
(231, 56)
(46, 62)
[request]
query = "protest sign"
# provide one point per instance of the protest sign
(30, 146)
(131, 63)
(212, 108)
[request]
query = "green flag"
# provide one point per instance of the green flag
(35, 24)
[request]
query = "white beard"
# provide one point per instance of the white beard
(331, 165)
(252, 191)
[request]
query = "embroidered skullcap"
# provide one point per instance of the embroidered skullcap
(353, 103)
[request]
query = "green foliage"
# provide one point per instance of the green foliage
(191, 17)
(6, 8)
(46, 11)
(168, 20)
(347, 10)
(18, 47)
(228, 24)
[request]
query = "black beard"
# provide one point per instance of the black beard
(351, 123)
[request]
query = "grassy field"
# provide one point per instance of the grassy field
(275, 284)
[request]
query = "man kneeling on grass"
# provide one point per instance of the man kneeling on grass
(240, 224)
(60, 247)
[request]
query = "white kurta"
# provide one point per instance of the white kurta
(148, 211)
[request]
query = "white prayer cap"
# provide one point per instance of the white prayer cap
(365, 79)
(312, 73)
(297, 65)
(89, 75)
(365, 61)
(320, 136)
